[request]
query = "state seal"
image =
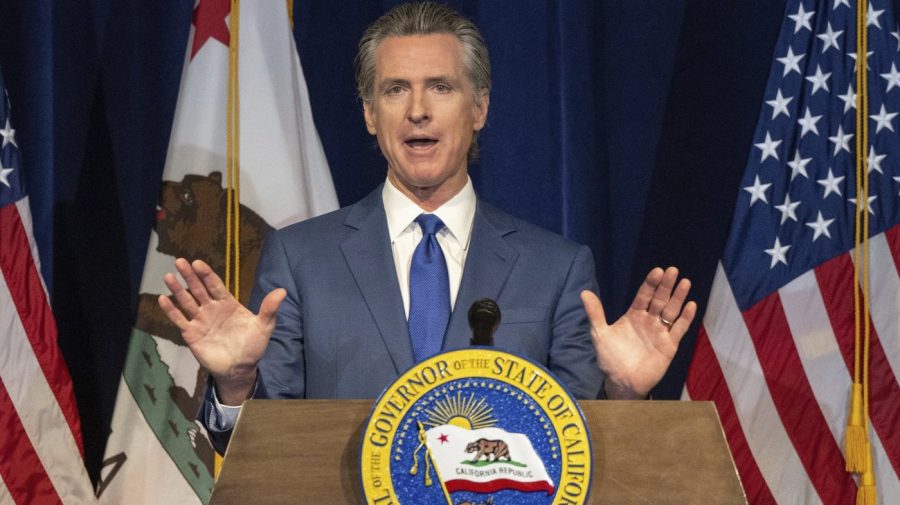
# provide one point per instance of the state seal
(475, 427)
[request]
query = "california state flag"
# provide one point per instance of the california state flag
(486, 460)
(157, 452)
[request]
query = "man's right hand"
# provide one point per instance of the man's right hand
(226, 338)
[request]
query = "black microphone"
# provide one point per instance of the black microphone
(484, 319)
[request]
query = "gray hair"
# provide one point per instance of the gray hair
(425, 18)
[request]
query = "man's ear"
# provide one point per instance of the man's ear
(369, 114)
(481, 111)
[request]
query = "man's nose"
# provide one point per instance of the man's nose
(419, 109)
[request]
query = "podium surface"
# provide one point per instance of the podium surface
(645, 452)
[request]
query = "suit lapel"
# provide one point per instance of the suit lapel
(488, 264)
(369, 256)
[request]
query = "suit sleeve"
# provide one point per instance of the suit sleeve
(572, 356)
(281, 369)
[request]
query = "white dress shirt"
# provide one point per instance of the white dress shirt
(457, 214)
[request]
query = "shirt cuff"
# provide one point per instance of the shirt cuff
(222, 417)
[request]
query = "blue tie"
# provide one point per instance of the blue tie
(429, 291)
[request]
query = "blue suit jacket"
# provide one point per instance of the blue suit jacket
(342, 333)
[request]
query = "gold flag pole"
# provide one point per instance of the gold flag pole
(429, 463)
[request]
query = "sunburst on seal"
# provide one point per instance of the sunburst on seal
(467, 413)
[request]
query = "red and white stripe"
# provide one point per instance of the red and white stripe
(41, 456)
(780, 375)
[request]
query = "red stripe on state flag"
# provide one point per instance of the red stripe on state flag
(23, 474)
(28, 296)
(893, 240)
(495, 485)
(796, 404)
(705, 381)
(835, 278)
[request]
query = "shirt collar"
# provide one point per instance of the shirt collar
(457, 214)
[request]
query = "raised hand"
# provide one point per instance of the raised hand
(635, 351)
(226, 338)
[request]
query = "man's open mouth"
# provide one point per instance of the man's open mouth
(421, 142)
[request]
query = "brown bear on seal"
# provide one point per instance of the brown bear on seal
(492, 450)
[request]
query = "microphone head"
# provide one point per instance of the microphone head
(484, 319)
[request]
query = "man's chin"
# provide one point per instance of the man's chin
(429, 183)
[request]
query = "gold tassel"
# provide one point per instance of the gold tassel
(866, 493)
(855, 440)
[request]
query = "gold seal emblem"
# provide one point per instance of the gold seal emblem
(476, 426)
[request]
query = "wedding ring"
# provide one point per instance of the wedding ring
(665, 322)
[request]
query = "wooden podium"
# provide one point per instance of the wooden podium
(307, 451)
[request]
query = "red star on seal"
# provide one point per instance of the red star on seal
(443, 438)
(209, 23)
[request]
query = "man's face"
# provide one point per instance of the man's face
(424, 113)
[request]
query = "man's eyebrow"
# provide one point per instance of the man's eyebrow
(440, 78)
(388, 82)
(391, 81)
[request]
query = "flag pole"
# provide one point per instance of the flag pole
(423, 439)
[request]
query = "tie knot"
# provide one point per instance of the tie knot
(429, 223)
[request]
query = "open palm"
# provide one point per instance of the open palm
(225, 337)
(635, 351)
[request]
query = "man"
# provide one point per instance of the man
(348, 301)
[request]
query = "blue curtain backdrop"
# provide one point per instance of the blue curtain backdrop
(622, 125)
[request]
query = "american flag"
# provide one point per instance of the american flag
(40, 436)
(775, 352)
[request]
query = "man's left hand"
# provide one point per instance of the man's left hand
(635, 351)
